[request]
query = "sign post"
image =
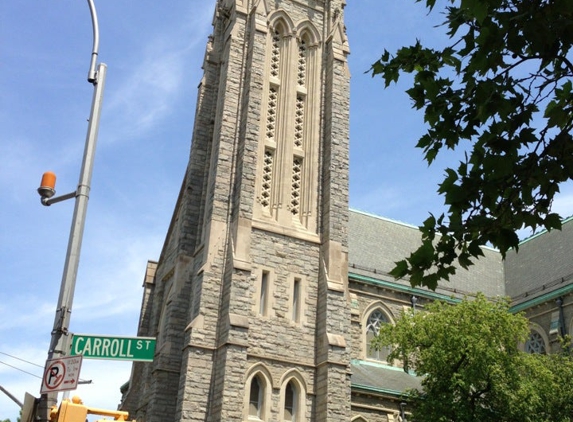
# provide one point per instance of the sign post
(140, 349)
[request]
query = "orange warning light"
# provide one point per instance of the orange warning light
(47, 187)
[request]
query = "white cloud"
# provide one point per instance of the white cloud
(12, 318)
(153, 79)
(563, 203)
(145, 96)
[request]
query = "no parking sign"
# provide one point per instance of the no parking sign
(61, 374)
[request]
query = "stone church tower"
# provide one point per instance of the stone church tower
(249, 300)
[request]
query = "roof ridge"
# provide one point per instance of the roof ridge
(390, 220)
(544, 231)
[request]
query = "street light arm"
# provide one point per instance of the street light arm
(14, 399)
(49, 201)
(92, 75)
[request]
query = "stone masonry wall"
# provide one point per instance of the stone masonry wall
(204, 307)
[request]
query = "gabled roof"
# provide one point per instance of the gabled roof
(379, 378)
(543, 264)
(376, 243)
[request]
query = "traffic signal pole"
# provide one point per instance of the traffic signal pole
(60, 333)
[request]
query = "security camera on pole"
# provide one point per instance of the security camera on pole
(60, 335)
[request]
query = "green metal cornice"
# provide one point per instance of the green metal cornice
(402, 288)
(541, 299)
(374, 390)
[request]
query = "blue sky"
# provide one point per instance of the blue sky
(154, 51)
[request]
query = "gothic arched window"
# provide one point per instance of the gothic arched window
(272, 128)
(373, 324)
(291, 403)
(293, 398)
(288, 171)
(256, 398)
(535, 343)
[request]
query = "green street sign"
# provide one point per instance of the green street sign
(115, 348)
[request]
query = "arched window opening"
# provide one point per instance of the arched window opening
(272, 126)
(276, 51)
(301, 64)
(291, 403)
(375, 321)
(256, 398)
(300, 146)
(535, 343)
(288, 170)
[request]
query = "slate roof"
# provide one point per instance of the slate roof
(375, 243)
(544, 263)
(383, 379)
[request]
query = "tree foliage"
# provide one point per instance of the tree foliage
(502, 93)
(472, 368)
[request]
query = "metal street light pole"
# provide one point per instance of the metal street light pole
(60, 333)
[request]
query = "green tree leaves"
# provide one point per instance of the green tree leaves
(502, 93)
(472, 369)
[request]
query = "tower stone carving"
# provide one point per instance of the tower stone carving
(249, 299)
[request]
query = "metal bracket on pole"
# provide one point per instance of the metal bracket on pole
(49, 201)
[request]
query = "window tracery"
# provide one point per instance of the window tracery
(535, 343)
(296, 186)
(299, 122)
(288, 173)
(375, 320)
(275, 54)
(301, 69)
(267, 178)
(272, 113)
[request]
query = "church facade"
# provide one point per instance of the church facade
(268, 287)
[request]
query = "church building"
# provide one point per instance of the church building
(268, 288)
